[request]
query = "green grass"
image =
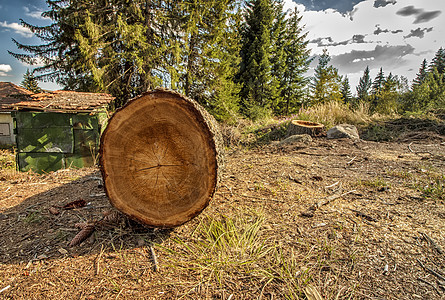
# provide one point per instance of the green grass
(373, 183)
(242, 249)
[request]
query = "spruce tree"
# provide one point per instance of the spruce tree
(30, 82)
(278, 57)
(438, 61)
(127, 47)
(364, 86)
(326, 82)
(255, 68)
(296, 64)
(421, 75)
(345, 89)
(378, 82)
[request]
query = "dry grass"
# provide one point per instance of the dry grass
(333, 113)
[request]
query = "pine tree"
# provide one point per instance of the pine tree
(128, 47)
(421, 75)
(30, 82)
(326, 82)
(438, 61)
(296, 64)
(278, 57)
(209, 60)
(255, 68)
(378, 82)
(345, 89)
(364, 86)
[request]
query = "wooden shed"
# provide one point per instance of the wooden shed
(9, 95)
(59, 129)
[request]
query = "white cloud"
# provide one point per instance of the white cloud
(367, 29)
(17, 28)
(36, 13)
(4, 69)
(291, 5)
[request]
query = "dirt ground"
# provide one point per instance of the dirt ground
(337, 219)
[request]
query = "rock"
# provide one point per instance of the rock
(343, 131)
(298, 138)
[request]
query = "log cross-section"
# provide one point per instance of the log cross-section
(161, 158)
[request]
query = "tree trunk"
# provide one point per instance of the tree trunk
(161, 158)
(304, 127)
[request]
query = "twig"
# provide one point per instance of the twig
(433, 243)
(5, 288)
(154, 259)
(360, 214)
(430, 284)
(98, 257)
(310, 212)
(332, 185)
(332, 198)
(259, 198)
(351, 161)
(418, 152)
(430, 270)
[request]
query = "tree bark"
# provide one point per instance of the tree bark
(161, 158)
(304, 127)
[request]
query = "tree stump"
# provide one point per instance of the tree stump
(304, 127)
(161, 158)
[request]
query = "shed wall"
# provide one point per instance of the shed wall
(49, 141)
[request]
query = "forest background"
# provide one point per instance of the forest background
(239, 59)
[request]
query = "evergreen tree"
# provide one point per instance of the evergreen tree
(345, 90)
(278, 57)
(421, 75)
(438, 61)
(296, 58)
(364, 86)
(430, 94)
(326, 82)
(30, 82)
(210, 56)
(388, 95)
(378, 82)
(127, 47)
(255, 68)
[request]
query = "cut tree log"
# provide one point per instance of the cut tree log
(161, 158)
(304, 127)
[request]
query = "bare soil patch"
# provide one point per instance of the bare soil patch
(344, 219)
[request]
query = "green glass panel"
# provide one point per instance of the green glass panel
(79, 161)
(56, 139)
(86, 142)
(41, 162)
(42, 119)
(85, 121)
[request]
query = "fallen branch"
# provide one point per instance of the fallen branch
(331, 198)
(433, 243)
(430, 284)
(310, 212)
(431, 271)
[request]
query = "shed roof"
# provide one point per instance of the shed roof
(65, 101)
(11, 94)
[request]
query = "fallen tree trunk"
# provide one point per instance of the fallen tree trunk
(161, 158)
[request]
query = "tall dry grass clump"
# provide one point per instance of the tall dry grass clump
(333, 113)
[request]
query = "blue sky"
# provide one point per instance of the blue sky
(393, 34)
